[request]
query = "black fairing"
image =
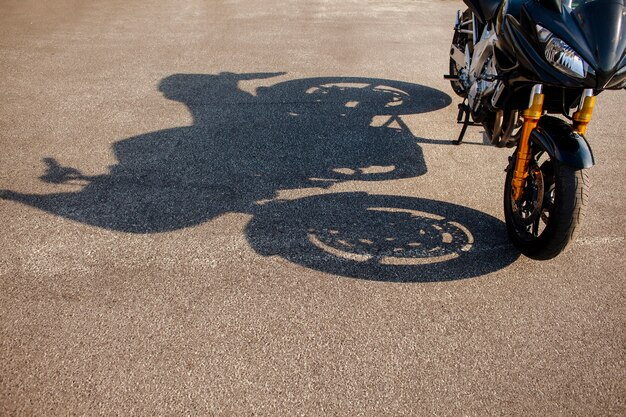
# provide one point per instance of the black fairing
(556, 5)
(485, 10)
(602, 23)
(595, 30)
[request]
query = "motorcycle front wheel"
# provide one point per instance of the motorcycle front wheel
(546, 218)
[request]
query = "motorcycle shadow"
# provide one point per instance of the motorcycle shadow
(382, 237)
(246, 147)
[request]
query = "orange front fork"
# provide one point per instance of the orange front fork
(531, 118)
(582, 117)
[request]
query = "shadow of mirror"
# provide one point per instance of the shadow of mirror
(244, 146)
(382, 238)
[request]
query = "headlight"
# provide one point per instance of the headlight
(561, 55)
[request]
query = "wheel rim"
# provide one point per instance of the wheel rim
(531, 214)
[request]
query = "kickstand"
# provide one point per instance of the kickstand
(464, 114)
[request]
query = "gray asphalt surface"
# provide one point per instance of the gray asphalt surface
(242, 208)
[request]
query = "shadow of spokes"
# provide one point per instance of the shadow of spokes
(383, 238)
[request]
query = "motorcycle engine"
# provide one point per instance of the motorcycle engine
(481, 89)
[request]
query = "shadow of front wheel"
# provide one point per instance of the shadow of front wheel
(383, 238)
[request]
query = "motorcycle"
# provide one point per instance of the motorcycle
(516, 64)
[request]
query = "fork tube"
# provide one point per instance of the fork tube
(583, 116)
(531, 117)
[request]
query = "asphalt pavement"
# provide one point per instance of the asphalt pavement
(255, 208)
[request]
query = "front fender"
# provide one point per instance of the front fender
(562, 142)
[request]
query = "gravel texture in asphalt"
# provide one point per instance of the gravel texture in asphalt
(254, 208)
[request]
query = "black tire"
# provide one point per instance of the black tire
(459, 40)
(456, 85)
(541, 228)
